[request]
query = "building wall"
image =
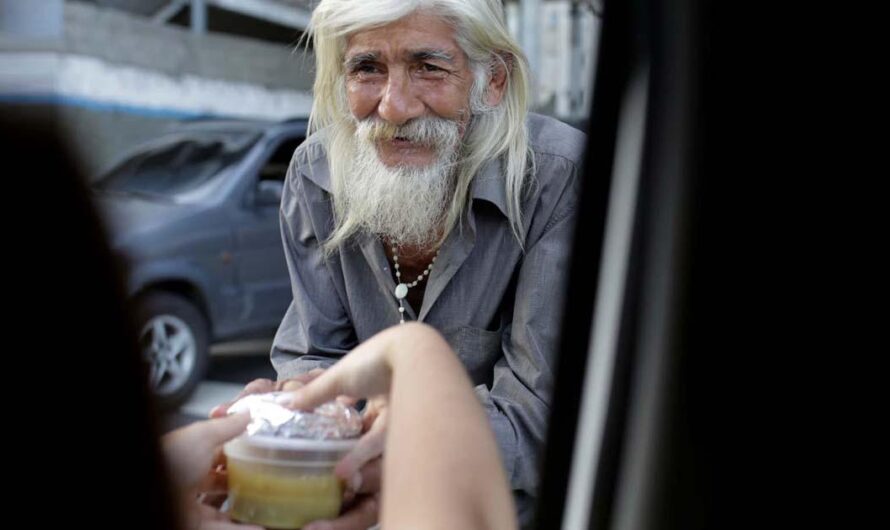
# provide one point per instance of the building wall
(563, 81)
(119, 79)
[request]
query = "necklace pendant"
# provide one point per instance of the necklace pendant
(401, 291)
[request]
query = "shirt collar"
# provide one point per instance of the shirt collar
(491, 185)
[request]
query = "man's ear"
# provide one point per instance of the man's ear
(501, 67)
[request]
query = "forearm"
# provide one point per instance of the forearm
(295, 352)
(443, 468)
(519, 424)
(288, 366)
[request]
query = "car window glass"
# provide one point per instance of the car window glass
(177, 164)
(275, 167)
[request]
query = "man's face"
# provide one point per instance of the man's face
(408, 69)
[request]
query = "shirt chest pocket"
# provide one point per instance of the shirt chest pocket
(479, 349)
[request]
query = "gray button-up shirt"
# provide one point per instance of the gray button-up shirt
(497, 306)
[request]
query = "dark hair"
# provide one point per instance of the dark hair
(87, 419)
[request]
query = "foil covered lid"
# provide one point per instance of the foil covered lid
(330, 421)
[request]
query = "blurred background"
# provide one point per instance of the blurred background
(184, 114)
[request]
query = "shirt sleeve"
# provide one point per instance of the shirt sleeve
(518, 400)
(316, 329)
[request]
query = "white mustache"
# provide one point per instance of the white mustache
(437, 133)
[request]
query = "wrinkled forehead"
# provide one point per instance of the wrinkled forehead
(415, 37)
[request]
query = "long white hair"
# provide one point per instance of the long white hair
(498, 131)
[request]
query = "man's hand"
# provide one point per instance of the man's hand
(361, 469)
(264, 386)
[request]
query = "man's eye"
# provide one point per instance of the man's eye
(365, 68)
(427, 67)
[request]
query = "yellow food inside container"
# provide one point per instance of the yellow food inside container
(282, 498)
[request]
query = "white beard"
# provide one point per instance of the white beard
(404, 204)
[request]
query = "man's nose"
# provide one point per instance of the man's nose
(399, 103)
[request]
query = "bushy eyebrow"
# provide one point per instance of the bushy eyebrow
(360, 58)
(414, 56)
(432, 55)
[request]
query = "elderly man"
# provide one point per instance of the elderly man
(429, 193)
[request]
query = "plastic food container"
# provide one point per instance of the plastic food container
(284, 483)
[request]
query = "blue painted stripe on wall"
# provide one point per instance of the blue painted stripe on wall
(85, 103)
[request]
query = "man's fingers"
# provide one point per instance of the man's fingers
(368, 447)
(288, 384)
(361, 516)
(348, 401)
(373, 409)
(370, 477)
(257, 386)
(264, 386)
(312, 374)
(291, 384)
